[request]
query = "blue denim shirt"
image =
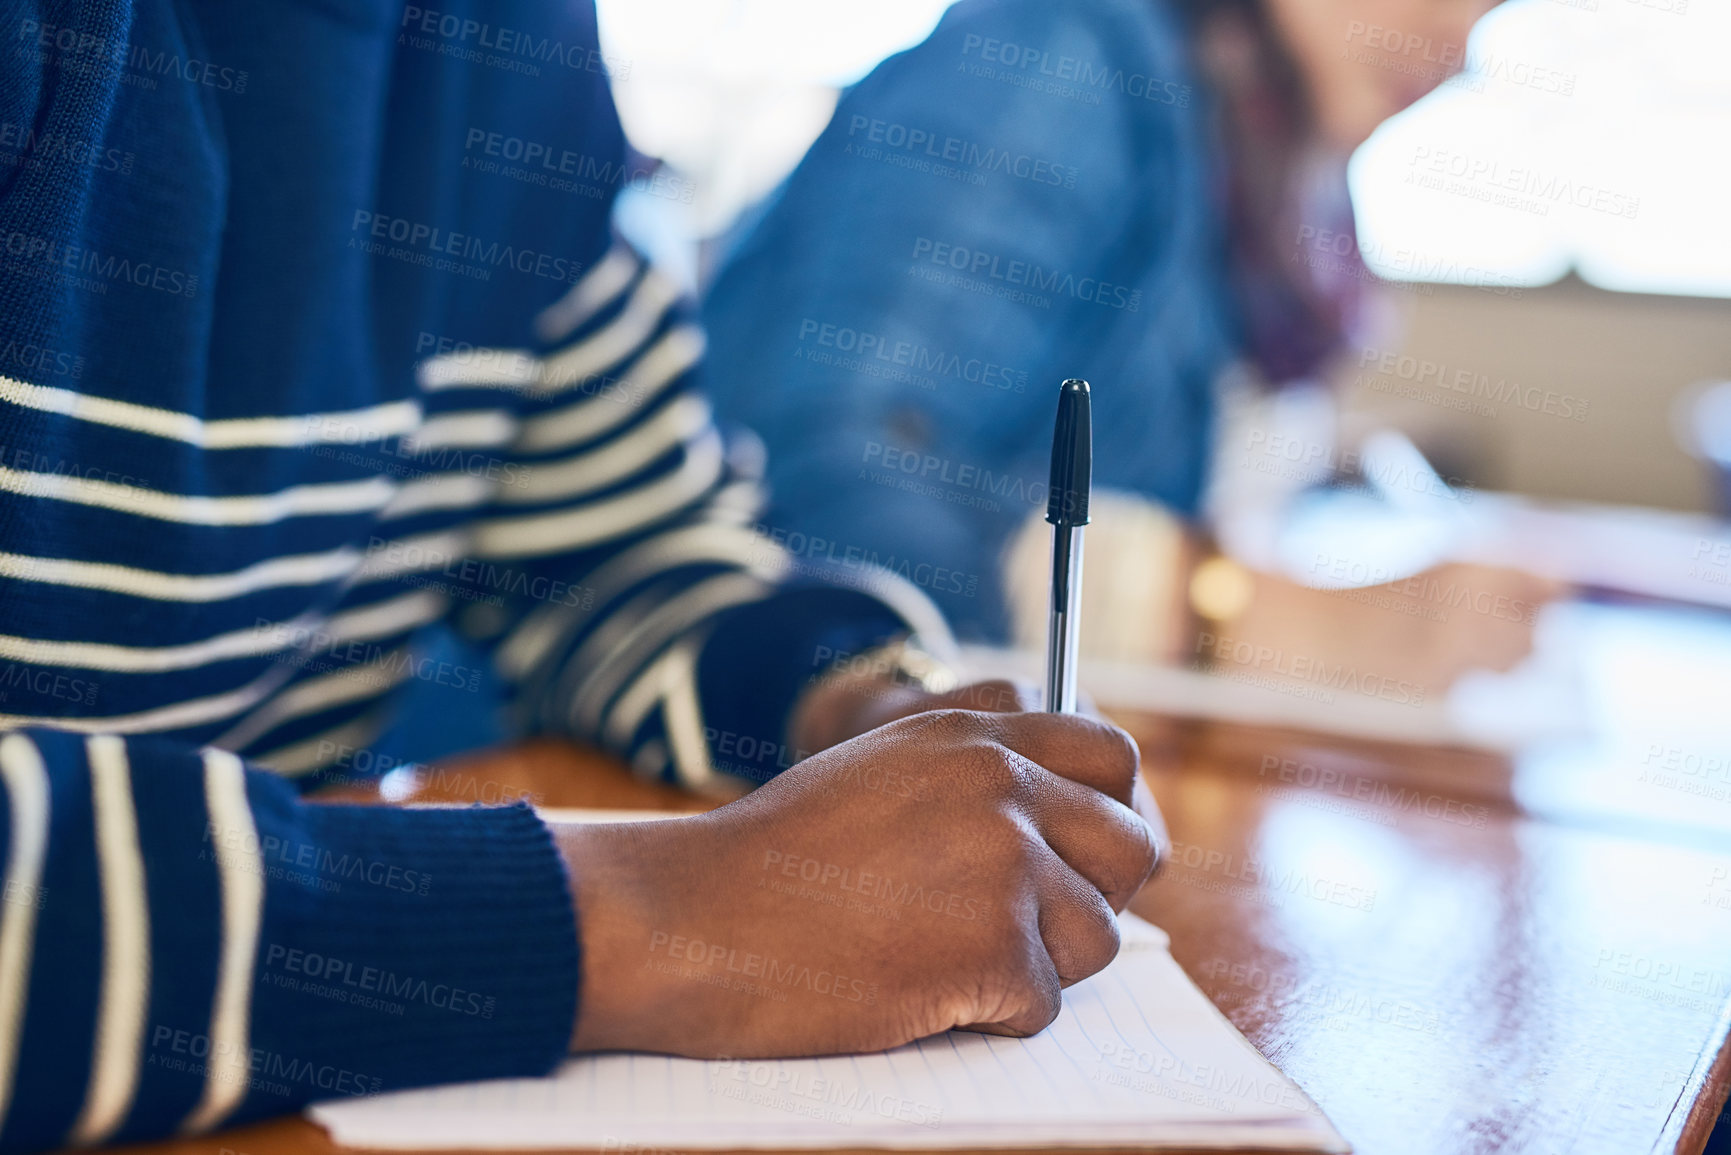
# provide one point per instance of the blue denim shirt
(1024, 197)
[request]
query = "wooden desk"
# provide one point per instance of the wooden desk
(1441, 972)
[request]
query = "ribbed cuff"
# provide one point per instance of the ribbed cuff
(406, 947)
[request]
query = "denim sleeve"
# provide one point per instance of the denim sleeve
(999, 208)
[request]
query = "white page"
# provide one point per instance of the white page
(1137, 1057)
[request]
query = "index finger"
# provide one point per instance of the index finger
(1082, 749)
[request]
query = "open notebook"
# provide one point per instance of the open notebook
(1137, 1058)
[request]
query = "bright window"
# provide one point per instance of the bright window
(1585, 134)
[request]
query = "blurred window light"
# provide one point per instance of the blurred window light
(829, 42)
(732, 92)
(1584, 134)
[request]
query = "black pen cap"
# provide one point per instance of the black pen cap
(1072, 456)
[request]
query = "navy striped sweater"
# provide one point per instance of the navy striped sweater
(313, 334)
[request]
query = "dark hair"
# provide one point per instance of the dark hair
(1292, 319)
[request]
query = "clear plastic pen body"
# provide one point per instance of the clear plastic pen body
(1063, 624)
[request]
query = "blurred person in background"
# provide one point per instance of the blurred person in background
(1149, 194)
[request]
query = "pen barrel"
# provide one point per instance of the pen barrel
(1063, 627)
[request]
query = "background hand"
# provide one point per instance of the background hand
(844, 704)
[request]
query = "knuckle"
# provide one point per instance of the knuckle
(1002, 773)
(1126, 861)
(1004, 852)
(1100, 947)
(1044, 1004)
(1156, 855)
(956, 725)
(945, 730)
(1119, 755)
(1142, 855)
(1126, 753)
(1089, 940)
(1033, 1000)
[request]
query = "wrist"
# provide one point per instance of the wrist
(603, 899)
(634, 886)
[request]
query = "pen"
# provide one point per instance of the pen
(1067, 510)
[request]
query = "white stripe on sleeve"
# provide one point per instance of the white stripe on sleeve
(398, 557)
(537, 535)
(175, 716)
(721, 545)
(352, 683)
(27, 798)
(588, 296)
(603, 663)
(469, 429)
(614, 341)
(292, 570)
(496, 368)
(643, 695)
(309, 631)
(613, 462)
(196, 509)
(118, 1048)
(660, 365)
(682, 714)
(350, 426)
(240, 873)
(451, 490)
(322, 749)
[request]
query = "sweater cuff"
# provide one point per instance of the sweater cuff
(761, 657)
(406, 947)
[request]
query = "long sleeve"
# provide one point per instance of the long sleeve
(185, 944)
(568, 492)
(615, 572)
(290, 369)
(1017, 200)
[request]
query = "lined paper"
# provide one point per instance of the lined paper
(1138, 1057)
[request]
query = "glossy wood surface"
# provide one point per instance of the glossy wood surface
(1442, 972)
